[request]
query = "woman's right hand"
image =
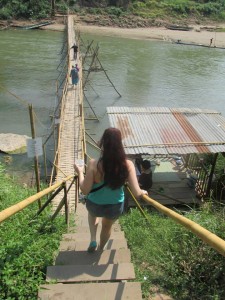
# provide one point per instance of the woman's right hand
(78, 169)
(79, 166)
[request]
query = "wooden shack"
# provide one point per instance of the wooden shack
(177, 141)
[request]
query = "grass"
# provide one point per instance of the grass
(174, 260)
(26, 247)
(165, 255)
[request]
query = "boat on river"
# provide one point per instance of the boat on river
(34, 26)
(179, 27)
(179, 42)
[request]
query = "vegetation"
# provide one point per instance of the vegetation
(26, 247)
(167, 257)
(150, 9)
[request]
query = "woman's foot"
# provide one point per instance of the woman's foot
(92, 247)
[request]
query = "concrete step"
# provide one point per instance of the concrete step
(82, 220)
(85, 236)
(83, 245)
(78, 228)
(91, 291)
(78, 273)
(97, 258)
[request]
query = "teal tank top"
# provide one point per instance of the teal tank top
(106, 195)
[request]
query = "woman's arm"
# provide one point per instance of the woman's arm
(87, 181)
(133, 182)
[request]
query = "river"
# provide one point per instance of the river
(145, 72)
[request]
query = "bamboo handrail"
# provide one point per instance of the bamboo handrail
(10, 211)
(205, 235)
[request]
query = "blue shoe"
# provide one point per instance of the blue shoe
(92, 247)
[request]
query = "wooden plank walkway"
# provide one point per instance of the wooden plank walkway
(77, 274)
(71, 125)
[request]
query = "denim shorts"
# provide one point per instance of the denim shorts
(108, 211)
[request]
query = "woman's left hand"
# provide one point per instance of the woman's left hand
(143, 192)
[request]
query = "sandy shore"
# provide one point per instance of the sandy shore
(197, 35)
(159, 33)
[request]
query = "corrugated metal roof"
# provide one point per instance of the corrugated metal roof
(166, 131)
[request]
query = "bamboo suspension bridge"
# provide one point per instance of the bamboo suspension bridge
(78, 273)
(71, 144)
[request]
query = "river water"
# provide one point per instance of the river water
(146, 73)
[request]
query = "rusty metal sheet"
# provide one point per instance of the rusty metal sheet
(167, 131)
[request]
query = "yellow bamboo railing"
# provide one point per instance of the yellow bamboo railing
(10, 211)
(205, 235)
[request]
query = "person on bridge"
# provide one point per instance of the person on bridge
(75, 50)
(74, 75)
(76, 66)
(103, 185)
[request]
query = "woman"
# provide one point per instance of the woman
(74, 76)
(103, 185)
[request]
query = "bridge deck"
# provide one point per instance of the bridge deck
(81, 275)
(70, 132)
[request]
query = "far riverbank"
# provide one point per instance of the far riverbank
(159, 33)
(199, 34)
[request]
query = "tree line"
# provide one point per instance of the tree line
(32, 9)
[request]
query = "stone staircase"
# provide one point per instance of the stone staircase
(79, 275)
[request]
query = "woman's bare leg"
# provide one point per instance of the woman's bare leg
(93, 225)
(105, 232)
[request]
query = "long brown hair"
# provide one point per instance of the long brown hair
(113, 158)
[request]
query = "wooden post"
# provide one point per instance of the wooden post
(35, 157)
(210, 178)
(66, 204)
(45, 163)
(53, 8)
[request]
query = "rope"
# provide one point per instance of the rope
(24, 102)
(138, 205)
(44, 126)
(58, 168)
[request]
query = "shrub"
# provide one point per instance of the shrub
(115, 11)
(5, 13)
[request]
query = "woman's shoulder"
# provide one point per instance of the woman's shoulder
(92, 162)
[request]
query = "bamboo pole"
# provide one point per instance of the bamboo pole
(86, 53)
(93, 145)
(206, 236)
(137, 203)
(89, 70)
(45, 162)
(10, 211)
(91, 108)
(108, 76)
(92, 138)
(37, 177)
